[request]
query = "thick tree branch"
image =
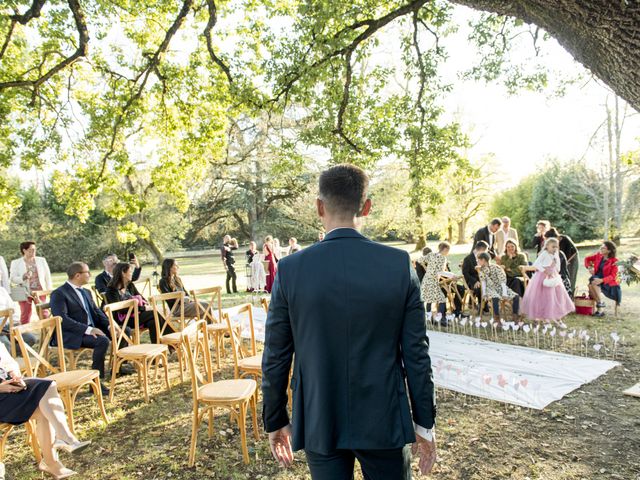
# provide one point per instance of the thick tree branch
(7, 39)
(213, 19)
(33, 12)
(339, 130)
(81, 50)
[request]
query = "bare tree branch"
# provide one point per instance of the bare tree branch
(33, 12)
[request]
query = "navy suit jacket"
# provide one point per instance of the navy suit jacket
(66, 304)
(350, 310)
(485, 234)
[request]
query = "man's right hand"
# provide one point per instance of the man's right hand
(477, 285)
(96, 332)
(426, 451)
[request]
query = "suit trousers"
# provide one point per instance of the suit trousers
(100, 346)
(231, 279)
(394, 464)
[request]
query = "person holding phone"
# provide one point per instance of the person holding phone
(24, 399)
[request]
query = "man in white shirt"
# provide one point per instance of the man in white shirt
(504, 233)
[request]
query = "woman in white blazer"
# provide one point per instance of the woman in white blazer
(32, 273)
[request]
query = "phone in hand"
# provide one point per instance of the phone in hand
(132, 256)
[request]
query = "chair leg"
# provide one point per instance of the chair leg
(242, 423)
(145, 379)
(210, 423)
(219, 341)
(98, 391)
(165, 362)
(65, 395)
(195, 424)
(3, 441)
(33, 441)
(254, 414)
(180, 363)
(116, 365)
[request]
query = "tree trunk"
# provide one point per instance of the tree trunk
(462, 232)
(618, 180)
(600, 34)
(608, 176)
(450, 232)
(150, 245)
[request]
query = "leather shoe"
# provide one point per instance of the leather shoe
(126, 369)
(103, 388)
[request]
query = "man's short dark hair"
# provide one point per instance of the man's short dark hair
(343, 189)
(484, 256)
(481, 245)
(74, 269)
(496, 221)
(551, 233)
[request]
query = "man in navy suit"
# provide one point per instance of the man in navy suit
(350, 311)
(84, 325)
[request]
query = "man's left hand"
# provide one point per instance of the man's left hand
(280, 443)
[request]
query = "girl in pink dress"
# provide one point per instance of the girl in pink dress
(545, 297)
(271, 257)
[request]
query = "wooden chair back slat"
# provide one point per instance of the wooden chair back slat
(174, 316)
(239, 310)
(195, 342)
(119, 332)
(46, 329)
(215, 294)
(6, 318)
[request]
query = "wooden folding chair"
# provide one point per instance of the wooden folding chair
(265, 302)
(42, 307)
(142, 356)
(68, 382)
(213, 316)
(98, 298)
(524, 270)
(145, 287)
(236, 395)
(246, 363)
(174, 317)
(32, 440)
(72, 356)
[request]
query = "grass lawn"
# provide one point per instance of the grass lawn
(593, 433)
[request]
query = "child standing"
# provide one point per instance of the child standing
(546, 297)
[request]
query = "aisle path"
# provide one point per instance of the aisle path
(523, 376)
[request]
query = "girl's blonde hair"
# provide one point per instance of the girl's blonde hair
(268, 239)
(550, 241)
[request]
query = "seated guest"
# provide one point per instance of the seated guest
(604, 276)
(512, 260)
(469, 271)
(495, 286)
(420, 271)
(538, 239)
(110, 261)
(170, 282)
(121, 288)
(293, 246)
(488, 235)
(569, 249)
(24, 399)
(504, 233)
(6, 303)
(84, 325)
(4, 275)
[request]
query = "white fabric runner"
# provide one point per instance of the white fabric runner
(523, 376)
(529, 377)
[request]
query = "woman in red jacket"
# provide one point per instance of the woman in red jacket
(604, 276)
